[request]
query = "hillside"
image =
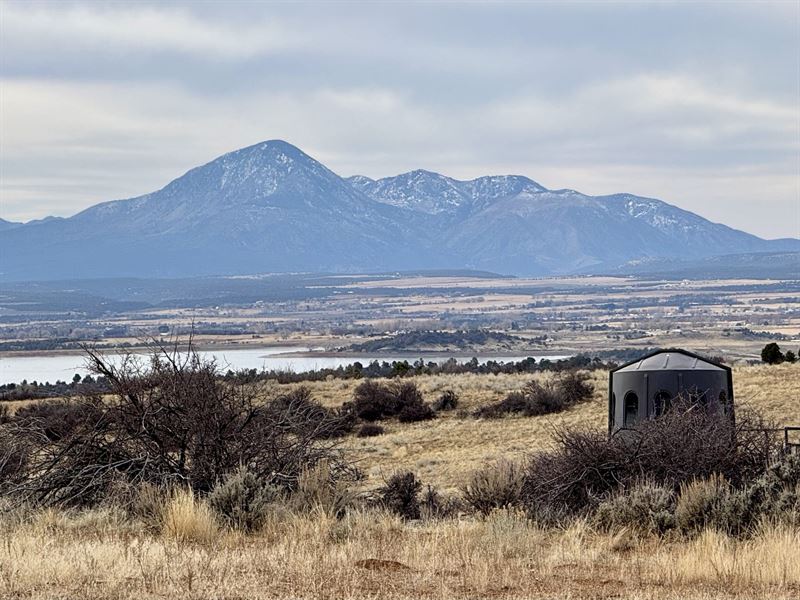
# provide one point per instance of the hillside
(369, 553)
(272, 208)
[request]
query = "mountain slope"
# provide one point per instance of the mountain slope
(8, 224)
(565, 231)
(514, 225)
(272, 208)
(435, 194)
(269, 207)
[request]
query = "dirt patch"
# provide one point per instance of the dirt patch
(377, 564)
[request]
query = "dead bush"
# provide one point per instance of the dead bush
(308, 415)
(173, 421)
(687, 443)
(497, 485)
(14, 456)
(565, 390)
(373, 401)
(55, 419)
(448, 400)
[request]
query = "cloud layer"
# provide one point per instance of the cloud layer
(698, 105)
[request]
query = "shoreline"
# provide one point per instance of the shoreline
(405, 354)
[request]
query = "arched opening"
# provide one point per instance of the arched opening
(662, 401)
(631, 409)
(698, 397)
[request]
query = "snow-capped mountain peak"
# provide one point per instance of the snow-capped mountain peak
(271, 207)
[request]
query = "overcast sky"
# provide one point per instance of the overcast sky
(698, 105)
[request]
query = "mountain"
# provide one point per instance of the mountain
(514, 225)
(265, 208)
(272, 208)
(4, 225)
(436, 194)
(757, 265)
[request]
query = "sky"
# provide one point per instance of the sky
(695, 104)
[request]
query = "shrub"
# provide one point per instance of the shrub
(370, 430)
(710, 503)
(175, 420)
(498, 485)
(771, 354)
(410, 405)
(435, 506)
(448, 400)
(646, 507)
(187, 519)
(242, 500)
(558, 394)
(687, 443)
(319, 488)
(56, 419)
(412, 413)
(308, 415)
(513, 403)
(400, 495)
(373, 401)
(776, 494)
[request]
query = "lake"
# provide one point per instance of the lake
(13, 369)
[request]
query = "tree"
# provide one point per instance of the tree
(790, 357)
(173, 421)
(771, 354)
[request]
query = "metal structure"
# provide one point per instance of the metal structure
(791, 439)
(646, 387)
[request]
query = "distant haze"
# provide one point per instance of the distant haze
(696, 104)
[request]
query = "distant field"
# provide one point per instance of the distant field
(726, 317)
(442, 452)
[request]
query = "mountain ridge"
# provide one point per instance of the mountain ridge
(270, 207)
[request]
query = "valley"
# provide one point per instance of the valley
(325, 319)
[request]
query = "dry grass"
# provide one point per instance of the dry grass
(310, 554)
(445, 451)
(374, 555)
(187, 519)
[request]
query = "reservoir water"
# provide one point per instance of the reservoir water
(42, 368)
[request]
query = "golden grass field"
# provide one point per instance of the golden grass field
(369, 554)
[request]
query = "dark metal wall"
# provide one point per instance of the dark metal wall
(701, 385)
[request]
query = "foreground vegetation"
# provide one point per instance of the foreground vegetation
(99, 554)
(184, 484)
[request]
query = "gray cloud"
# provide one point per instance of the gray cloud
(694, 104)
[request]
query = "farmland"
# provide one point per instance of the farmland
(733, 318)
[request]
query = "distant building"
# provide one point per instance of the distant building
(646, 387)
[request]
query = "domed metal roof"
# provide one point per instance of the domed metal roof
(673, 359)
